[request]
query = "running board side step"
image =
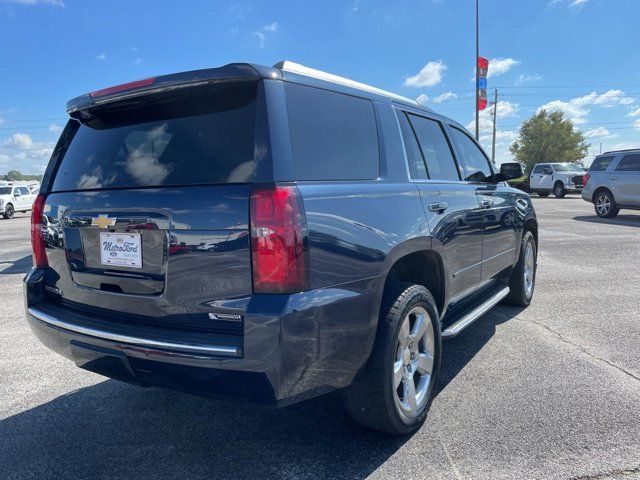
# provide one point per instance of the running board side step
(475, 314)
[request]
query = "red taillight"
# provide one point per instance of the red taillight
(279, 250)
(585, 178)
(121, 88)
(37, 236)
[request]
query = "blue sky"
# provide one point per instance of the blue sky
(579, 56)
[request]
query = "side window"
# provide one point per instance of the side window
(538, 168)
(24, 190)
(600, 164)
(333, 136)
(475, 164)
(435, 149)
(629, 163)
(417, 167)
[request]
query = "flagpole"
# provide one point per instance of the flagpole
(477, 69)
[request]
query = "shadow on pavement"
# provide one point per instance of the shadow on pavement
(21, 265)
(460, 350)
(622, 220)
(113, 430)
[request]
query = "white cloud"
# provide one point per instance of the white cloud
(607, 99)
(443, 97)
(19, 151)
(102, 56)
(264, 33)
(54, 3)
(55, 128)
(576, 109)
(272, 27)
(635, 112)
(599, 132)
(573, 112)
(500, 66)
(430, 75)
(522, 79)
(505, 109)
(575, 5)
(18, 140)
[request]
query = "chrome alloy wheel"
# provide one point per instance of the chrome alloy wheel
(529, 269)
(603, 205)
(413, 364)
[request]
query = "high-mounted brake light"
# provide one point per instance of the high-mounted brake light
(37, 235)
(279, 240)
(123, 88)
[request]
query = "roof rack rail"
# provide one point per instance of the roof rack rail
(288, 66)
(620, 151)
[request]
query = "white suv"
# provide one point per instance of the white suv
(15, 199)
(559, 178)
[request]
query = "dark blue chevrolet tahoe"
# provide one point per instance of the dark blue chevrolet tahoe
(272, 234)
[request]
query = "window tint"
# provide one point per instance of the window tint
(197, 137)
(538, 168)
(600, 164)
(475, 164)
(435, 149)
(24, 190)
(417, 167)
(333, 136)
(629, 163)
(5, 190)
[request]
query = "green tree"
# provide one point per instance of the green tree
(16, 175)
(549, 137)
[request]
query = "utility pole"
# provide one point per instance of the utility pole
(495, 113)
(477, 68)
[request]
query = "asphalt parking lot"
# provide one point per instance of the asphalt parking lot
(552, 391)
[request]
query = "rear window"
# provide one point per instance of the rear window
(629, 163)
(600, 164)
(333, 136)
(199, 136)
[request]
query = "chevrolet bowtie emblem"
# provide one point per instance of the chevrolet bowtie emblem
(103, 221)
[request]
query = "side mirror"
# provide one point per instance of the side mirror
(546, 171)
(17, 194)
(510, 170)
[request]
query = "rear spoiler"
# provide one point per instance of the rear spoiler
(232, 71)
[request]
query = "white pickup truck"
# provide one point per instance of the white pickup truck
(556, 178)
(14, 198)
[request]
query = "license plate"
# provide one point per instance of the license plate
(121, 249)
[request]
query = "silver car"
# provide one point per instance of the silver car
(613, 182)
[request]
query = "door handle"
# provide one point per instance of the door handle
(486, 203)
(613, 178)
(438, 207)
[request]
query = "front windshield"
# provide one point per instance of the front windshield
(5, 190)
(567, 167)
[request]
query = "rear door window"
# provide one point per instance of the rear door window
(475, 163)
(417, 167)
(435, 149)
(204, 136)
(333, 136)
(629, 163)
(600, 164)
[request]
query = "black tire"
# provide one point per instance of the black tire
(8, 212)
(519, 294)
(371, 399)
(605, 205)
(559, 190)
(544, 194)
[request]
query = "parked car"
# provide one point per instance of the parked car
(15, 199)
(613, 182)
(348, 231)
(556, 178)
